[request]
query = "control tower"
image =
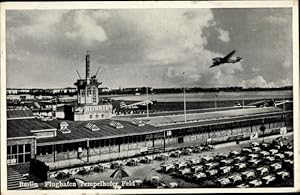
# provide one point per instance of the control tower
(87, 88)
(88, 107)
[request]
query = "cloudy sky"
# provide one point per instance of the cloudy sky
(149, 47)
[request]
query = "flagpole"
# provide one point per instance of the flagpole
(147, 102)
(184, 101)
(243, 101)
(283, 103)
(216, 101)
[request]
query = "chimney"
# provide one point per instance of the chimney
(87, 64)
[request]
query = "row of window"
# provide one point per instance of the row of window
(17, 154)
(96, 116)
(42, 150)
(16, 149)
(89, 92)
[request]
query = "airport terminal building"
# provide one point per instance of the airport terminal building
(62, 143)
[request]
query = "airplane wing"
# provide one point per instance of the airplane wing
(214, 65)
(257, 103)
(282, 102)
(216, 59)
(228, 56)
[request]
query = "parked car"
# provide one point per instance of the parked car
(199, 176)
(261, 171)
(235, 178)
(265, 146)
(269, 179)
(276, 166)
(269, 160)
(212, 172)
(256, 149)
(247, 175)
(246, 150)
(175, 154)
(207, 159)
(167, 168)
(288, 164)
(243, 185)
(225, 169)
(211, 165)
(254, 144)
(223, 182)
(240, 166)
(254, 162)
(187, 151)
(197, 168)
(226, 161)
(255, 183)
(283, 175)
(235, 153)
(273, 151)
(264, 153)
(288, 154)
(240, 159)
(279, 156)
(222, 155)
(253, 156)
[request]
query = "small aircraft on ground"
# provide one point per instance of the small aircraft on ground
(227, 59)
(138, 105)
(267, 103)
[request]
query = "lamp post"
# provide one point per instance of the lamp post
(243, 101)
(184, 101)
(215, 101)
(147, 102)
(263, 128)
(283, 104)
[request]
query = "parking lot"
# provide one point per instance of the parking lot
(256, 164)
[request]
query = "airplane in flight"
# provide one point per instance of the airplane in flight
(227, 59)
(267, 103)
(138, 105)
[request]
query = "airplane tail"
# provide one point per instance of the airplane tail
(123, 105)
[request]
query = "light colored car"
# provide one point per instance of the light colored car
(240, 166)
(227, 161)
(289, 154)
(269, 179)
(256, 149)
(211, 165)
(273, 151)
(248, 174)
(264, 153)
(212, 172)
(225, 169)
(262, 170)
(255, 144)
(200, 175)
(243, 185)
(240, 158)
(255, 183)
(235, 152)
(283, 175)
(235, 178)
(276, 166)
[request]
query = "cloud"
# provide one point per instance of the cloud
(84, 26)
(133, 43)
(287, 63)
(223, 35)
(276, 19)
(259, 81)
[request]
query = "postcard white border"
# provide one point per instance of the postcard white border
(141, 5)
